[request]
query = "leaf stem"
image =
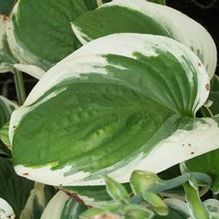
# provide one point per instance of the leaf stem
(19, 85)
(195, 205)
(175, 182)
(201, 178)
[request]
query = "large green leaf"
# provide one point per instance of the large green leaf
(14, 189)
(63, 207)
(140, 16)
(42, 29)
(120, 103)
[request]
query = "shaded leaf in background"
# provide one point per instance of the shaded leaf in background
(13, 188)
(207, 163)
(6, 6)
(39, 197)
(6, 108)
(214, 95)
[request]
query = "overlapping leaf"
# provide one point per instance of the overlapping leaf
(207, 163)
(42, 29)
(6, 58)
(141, 16)
(63, 207)
(112, 107)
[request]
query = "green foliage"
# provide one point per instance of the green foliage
(105, 120)
(6, 6)
(14, 189)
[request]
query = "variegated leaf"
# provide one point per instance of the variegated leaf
(62, 206)
(6, 58)
(141, 16)
(120, 103)
(39, 197)
(39, 32)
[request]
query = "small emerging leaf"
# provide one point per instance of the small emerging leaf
(142, 180)
(93, 213)
(116, 190)
(138, 212)
(156, 202)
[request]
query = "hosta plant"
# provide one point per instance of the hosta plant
(123, 121)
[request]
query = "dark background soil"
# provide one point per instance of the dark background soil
(206, 12)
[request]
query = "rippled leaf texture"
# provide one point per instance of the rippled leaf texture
(112, 107)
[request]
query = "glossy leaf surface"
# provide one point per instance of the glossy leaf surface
(111, 110)
(141, 16)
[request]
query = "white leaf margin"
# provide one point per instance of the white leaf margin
(6, 210)
(181, 145)
(55, 207)
(183, 29)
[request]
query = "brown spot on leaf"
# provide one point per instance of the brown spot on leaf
(25, 174)
(207, 86)
(199, 64)
(192, 152)
(5, 18)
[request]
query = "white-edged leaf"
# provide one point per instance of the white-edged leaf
(6, 210)
(212, 205)
(6, 58)
(140, 16)
(62, 206)
(32, 70)
(39, 32)
(120, 103)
